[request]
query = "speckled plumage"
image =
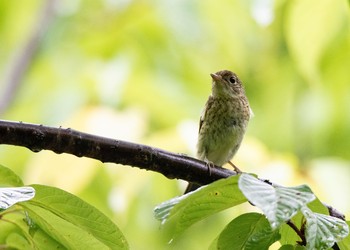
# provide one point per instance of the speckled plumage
(224, 120)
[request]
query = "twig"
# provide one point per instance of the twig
(298, 232)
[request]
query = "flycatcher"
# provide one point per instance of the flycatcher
(223, 121)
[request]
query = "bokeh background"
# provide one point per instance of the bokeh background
(138, 70)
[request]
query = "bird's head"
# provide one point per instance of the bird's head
(226, 84)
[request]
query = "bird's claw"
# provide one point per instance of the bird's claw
(210, 165)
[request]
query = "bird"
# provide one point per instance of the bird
(223, 122)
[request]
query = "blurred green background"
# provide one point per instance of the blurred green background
(139, 71)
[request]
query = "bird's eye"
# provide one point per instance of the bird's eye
(232, 80)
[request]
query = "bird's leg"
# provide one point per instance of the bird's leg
(209, 165)
(237, 170)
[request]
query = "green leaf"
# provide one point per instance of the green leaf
(278, 203)
(42, 240)
(345, 243)
(318, 207)
(247, 231)
(322, 231)
(183, 211)
(291, 247)
(8, 178)
(24, 236)
(71, 221)
(11, 196)
(288, 235)
(17, 241)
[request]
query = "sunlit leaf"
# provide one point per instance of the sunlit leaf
(278, 203)
(288, 235)
(17, 241)
(71, 221)
(248, 231)
(186, 210)
(345, 243)
(8, 178)
(322, 231)
(11, 196)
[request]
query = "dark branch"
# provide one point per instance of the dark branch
(59, 140)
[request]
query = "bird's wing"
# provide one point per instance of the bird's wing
(200, 123)
(206, 108)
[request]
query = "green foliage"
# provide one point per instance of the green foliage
(291, 247)
(323, 230)
(248, 231)
(8, 178)
(280, 205)
(345, 244)
(11, 196)
(146, 65)
(181, 212)
(57, 219)
(289, 236)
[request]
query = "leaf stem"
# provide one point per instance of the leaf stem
(300, 233)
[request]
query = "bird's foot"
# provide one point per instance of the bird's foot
(210, 165)
(237, 170)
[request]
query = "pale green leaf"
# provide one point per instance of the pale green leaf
(288, 235)
(11, 196)
(188, 209)
(71, 221)
(345, 243)
(42, 240)
(322, 231)
(17, 241)
(8, 178)
(248, 231)
(278, 203)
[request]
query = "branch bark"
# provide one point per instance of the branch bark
(60, 140)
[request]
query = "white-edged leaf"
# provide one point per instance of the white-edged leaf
(162, 211)
(181, 212)
(345, 243)
(278, 203)
(11, 196)
(322, 231)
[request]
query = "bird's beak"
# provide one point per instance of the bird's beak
(215, 77)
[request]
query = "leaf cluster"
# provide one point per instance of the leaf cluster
(42, 217)
(291, 215)
(52, 219)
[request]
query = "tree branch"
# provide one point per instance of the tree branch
(59, 140)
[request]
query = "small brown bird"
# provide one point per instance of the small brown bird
(223, 121)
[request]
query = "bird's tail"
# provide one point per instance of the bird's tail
(191, 187)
